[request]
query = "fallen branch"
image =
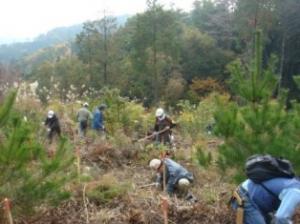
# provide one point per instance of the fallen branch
(147, 185)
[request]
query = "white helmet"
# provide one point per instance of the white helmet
(160, 113)
(50, 113)
(155, 163)
(183, 182)
(86, 104)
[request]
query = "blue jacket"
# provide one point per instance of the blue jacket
(174, 172)
(98, 120)
(266, 201)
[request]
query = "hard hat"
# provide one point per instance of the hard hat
(183, 182)
(85, 104)
(50, 113)
(155, 163)
(160, 113)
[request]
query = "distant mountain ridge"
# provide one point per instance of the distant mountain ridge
(14, 51)
(12, 40)
(9, 52)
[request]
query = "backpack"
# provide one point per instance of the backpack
(260, 168)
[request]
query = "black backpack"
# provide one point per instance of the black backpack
(260, 168)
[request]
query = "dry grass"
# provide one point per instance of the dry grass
(114, 194)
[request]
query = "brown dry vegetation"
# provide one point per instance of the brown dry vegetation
(125, 171)
(114, 194)
(111, 192)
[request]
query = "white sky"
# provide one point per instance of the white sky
(29, 18)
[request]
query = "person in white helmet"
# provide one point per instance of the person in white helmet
(84, 116)
(178, 179)
(162, 127)
(53, 125)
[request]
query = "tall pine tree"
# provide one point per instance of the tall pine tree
(257, 123)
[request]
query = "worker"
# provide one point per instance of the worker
(162, 127)
(84, 116)
(177, 178)
(258, 201)
(53, 125)
(98, 119)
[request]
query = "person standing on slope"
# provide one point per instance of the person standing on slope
(53, 125)
(83, 117)
(162, 127)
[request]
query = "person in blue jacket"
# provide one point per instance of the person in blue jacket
(98, 118)
(177, 177)
(279, 197)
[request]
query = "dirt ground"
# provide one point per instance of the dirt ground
(125, 170)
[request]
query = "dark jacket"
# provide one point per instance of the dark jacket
(161, 125)
(53, 124)
(174, 172)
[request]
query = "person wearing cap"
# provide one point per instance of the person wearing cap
(177, 178)
(162, 127)
(83, 117)
(52, 123)
(98, 118)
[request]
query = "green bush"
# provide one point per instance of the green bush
(194, 119)
(204, 159)
(107, 189)
(28, 176)
(121, 113)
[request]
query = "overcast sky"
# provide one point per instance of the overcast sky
(28, 18)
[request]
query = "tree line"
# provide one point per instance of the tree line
(167, 54)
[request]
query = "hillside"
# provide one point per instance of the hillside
(113, 176)
(60, 35)
(165, 119)
(55, 36)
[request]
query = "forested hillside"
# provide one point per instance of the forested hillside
(14, 52)
(60, 35)
(153, 121)
(163, 54)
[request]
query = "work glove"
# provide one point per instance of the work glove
(155, 133)
(172, 138)
(48, 129)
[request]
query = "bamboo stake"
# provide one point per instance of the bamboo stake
(165, 208)
(78, 162)
(164, 177)
(7, 209)
(162, 156)
(85, 205)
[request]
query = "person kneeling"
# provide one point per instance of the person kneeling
(177, 179)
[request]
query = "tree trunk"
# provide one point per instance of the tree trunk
(281, 62)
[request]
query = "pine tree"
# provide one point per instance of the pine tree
(257, 123)
(27, 176)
